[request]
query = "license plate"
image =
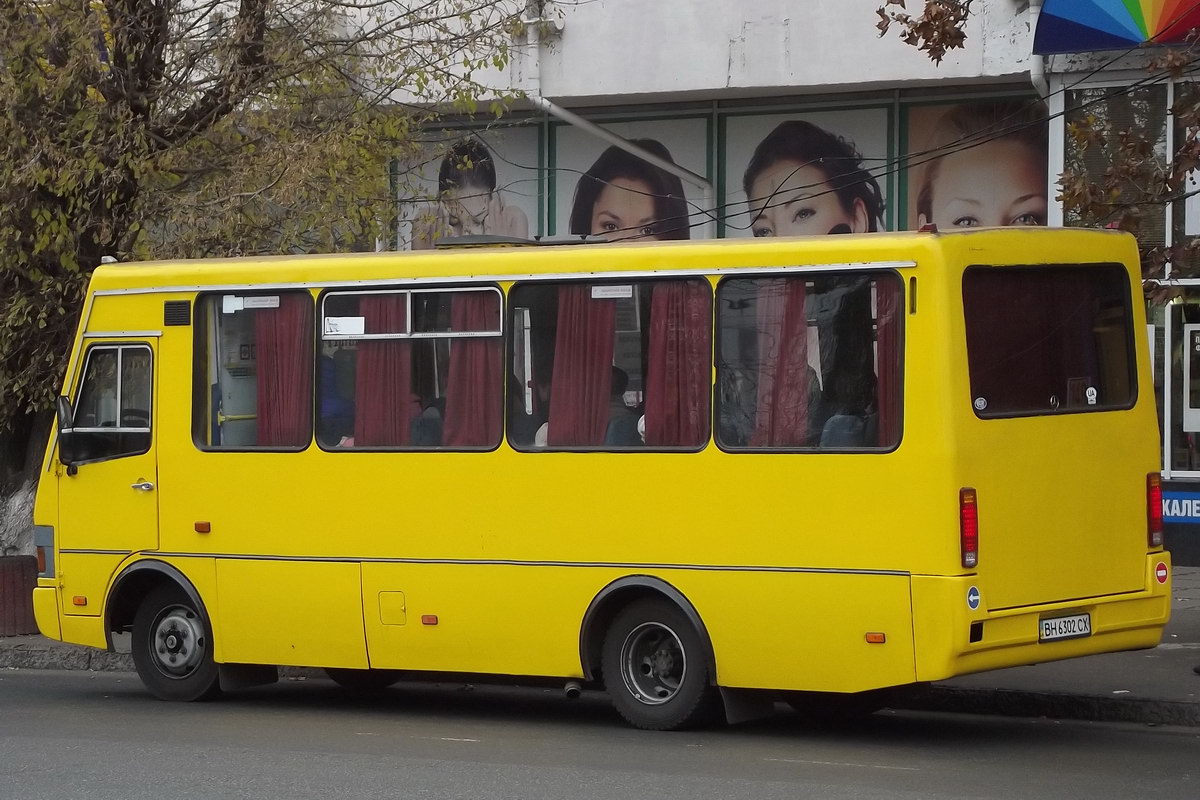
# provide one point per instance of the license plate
(1071, 627)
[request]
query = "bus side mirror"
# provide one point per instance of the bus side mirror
(67, 440)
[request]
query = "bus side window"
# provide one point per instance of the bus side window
(254, 371)
(611, 366)
(809, 362)
(421, 369)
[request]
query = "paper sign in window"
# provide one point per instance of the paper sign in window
(612, 292)
(345, 326)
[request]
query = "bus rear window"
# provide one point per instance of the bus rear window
(1048, 340)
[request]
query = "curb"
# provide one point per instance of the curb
(936, 697)
(1055, 705)
(64, 657)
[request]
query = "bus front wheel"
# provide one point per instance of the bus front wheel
(654, 668)
(172, 647)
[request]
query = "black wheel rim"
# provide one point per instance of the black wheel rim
(653, 663)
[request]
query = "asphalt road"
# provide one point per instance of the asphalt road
(99, 736)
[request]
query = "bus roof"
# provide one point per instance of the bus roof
(995, 246)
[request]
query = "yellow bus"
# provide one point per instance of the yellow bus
(675, 470)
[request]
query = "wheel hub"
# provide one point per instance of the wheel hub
(177, 646)
(653, 663)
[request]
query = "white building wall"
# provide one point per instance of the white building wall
(636, 50)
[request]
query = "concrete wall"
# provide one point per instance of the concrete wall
(636, 50)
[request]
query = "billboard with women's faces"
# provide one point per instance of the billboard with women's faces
(470, 182)
(980, 164)
(806, 173)
(601, 190)
(964, 165)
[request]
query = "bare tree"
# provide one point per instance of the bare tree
(167, 128)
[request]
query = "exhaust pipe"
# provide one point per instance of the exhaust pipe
(572, 690)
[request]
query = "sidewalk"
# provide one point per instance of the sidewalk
(1149, 686)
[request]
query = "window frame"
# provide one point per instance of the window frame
(424, 288)
(199, 368)
(322, 336)
(902, 310)
(1130, 340)
(120, 348)
(640, 278)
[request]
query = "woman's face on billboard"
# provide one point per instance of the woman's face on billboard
(466, 210)
(996, 184)
(624, 209)
(791, 199)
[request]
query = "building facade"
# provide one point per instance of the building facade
(739, 107)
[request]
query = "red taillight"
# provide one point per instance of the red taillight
(1154, 530)
(968, 527)
(41, 557)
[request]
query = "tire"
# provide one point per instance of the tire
(655, 668)
(172, 647)
(363, 681)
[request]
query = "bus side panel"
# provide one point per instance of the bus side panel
(290, 613)
(487, 618)
(804, 630)
(85, 579)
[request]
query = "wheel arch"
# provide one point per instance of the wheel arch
(133, 584)
(617, 595)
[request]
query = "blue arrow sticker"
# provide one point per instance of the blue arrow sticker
(973, 598)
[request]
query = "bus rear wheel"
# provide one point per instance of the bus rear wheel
(363, 681)
(172, 647)
(654, 668)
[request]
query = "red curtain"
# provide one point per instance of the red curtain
(582, 378)
(1029, 333)
(284, 342)
(475, 384)
(781, 416)
(678, 380)
(385, 404)
(889, 318)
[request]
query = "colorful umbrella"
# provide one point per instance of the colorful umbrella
(1077, 26)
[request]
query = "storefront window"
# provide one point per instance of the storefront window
(1099, 124)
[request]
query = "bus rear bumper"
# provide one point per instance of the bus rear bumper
(944, 625)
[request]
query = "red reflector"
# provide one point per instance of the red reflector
(203, 527)
(41, 557)
(1154, 525)
(968, 526)
(429, 619)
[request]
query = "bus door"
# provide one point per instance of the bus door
(108, 491)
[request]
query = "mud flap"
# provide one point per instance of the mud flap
(244, 676)
(743, 705)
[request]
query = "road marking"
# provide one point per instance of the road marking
(452, 739)
(840, 764)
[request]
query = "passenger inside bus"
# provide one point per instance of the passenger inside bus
(622, 420)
